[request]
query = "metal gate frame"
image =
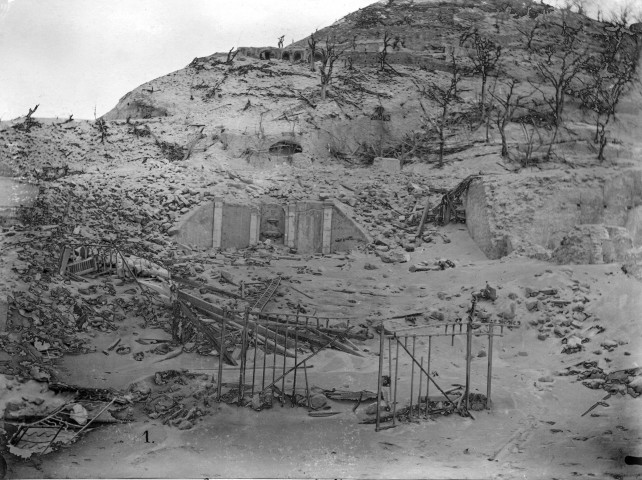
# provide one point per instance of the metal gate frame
(477, 329)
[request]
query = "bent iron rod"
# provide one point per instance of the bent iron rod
(329, 344)
(427, 374)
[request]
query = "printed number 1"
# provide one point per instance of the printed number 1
(146, 436)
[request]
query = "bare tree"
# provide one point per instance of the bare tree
(330, 53)
(456, 70)
(506, 103)
(443, 97)
(312, 43)
(28, 122)
(485, 56)
(603, 92)
(528, 31)
(231, 55)
(383, 53)
(560, 71)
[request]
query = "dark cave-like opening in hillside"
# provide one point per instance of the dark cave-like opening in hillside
(285, 148)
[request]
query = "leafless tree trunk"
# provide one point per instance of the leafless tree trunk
(507, 101)
(312, 43)
(329, 54)
(231, 55)
(559, 72)
(529, 31)
(443, 97)
(485, 57)
(383, 54)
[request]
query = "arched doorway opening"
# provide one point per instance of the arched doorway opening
(285, 148)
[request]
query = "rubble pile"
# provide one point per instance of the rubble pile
(41, 421)
(565, 315)
(621, 382)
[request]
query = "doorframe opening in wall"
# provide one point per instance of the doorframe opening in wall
(265, 55)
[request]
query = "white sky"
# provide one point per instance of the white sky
(72, 56)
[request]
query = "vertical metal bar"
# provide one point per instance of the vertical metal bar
(469, 347)
(379, 378)
(421, 381)
(221, 355)
(489, 375)
(264, 359)
(243, 358)
(276, 332)
(307, 385)
(428, 370)
(287, 324)
(254, 360)
(53, 439)
(296, 345)
(389, 368)
(394, 401)
(412, 375)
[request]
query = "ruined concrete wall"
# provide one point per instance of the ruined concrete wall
(543, 210)
(342, 135)
(200, 224)
(346, 234)
(197, 228)
(480, 223)
(272, 223)
(235, 229)
(309, 227)
(593, 244)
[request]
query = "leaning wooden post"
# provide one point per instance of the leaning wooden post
(379, 378)
(489, 375)
(424, 216)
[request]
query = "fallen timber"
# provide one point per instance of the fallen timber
(447, 210)
(267, 333)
